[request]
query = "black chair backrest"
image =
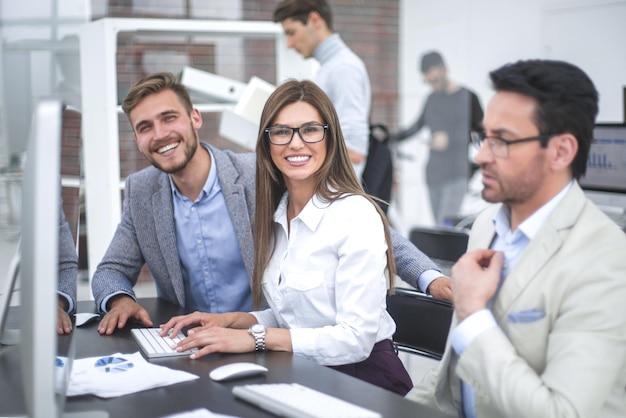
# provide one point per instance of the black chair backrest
(440, 243)
(422, 323)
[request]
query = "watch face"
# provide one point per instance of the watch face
(257, 328)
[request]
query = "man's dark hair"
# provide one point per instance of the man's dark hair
(430, 60)
(299, 10)
(567, 100)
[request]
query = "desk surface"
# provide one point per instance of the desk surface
(203, 392)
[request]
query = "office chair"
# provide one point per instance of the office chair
(443, 244)
(422, 323)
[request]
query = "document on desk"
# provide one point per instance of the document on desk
(199, 413)
(120, 374)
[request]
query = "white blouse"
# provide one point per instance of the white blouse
(326, 280)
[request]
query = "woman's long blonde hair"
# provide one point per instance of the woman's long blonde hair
(335, 179)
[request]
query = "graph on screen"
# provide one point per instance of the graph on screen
(606, 164)
(605, 180)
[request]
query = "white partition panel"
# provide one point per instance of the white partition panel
(100, 111)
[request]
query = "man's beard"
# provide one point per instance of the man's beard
(190, 149)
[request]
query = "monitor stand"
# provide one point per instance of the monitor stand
(9, 336)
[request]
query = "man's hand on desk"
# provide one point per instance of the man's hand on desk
(441, 288)
(122, 308)
(64, 323)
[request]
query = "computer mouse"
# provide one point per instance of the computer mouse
(236, 370)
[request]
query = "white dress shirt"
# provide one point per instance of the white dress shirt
(326, 280)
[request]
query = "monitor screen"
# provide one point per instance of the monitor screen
(606, 164)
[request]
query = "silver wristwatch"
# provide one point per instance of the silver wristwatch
(258, 333)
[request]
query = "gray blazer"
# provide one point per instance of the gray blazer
(68, 259)
(146, 232)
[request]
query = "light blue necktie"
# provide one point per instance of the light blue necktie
(467, 392)
(511, 250)
(469, 400)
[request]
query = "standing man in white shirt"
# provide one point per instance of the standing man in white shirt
(308, 26)
(540, 322)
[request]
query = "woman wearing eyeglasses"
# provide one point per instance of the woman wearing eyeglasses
(323, 260)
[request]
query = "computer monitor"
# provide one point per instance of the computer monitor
(43, 391)
(39, 260)
(605, 180)
(36, 263)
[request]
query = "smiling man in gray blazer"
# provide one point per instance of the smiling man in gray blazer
(189, 218)
(539, 327)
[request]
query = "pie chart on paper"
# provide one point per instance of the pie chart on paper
(112, 364)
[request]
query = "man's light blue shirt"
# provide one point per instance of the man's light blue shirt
(212, 267)
(343, 77)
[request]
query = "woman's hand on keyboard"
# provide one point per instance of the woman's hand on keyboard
(205, 320)
(216, 340)
(226, 333)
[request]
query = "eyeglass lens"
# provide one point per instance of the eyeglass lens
(497, 146)
(281, 135)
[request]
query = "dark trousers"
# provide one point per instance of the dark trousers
(382, 368)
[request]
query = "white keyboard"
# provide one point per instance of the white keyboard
(296, 401)
(153, 345)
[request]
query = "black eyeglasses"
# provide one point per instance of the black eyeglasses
(499, 147)
(309, 133)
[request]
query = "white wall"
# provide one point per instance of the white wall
(477, 36)
(30, 34)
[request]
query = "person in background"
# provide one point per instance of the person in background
(308, 26)
(189, 218)
(323, 252)
(451, 110)
(68, 271)
(539, 326)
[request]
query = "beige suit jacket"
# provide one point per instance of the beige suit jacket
(560, 346)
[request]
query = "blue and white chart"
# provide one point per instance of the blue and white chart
(111, 364)
(120, 374)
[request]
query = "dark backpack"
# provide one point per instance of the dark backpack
(377, 176)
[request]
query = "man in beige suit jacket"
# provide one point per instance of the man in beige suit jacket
(540, 315)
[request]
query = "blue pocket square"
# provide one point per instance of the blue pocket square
(529, 315)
